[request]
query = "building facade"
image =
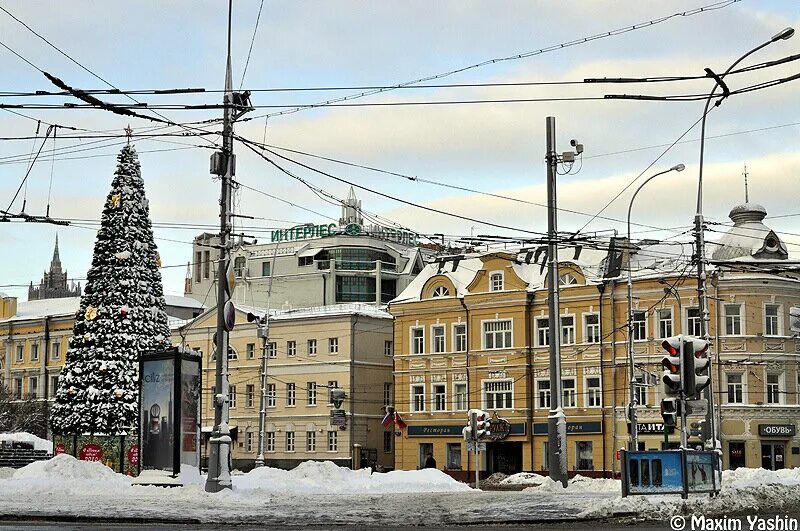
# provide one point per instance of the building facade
(309, 352)
(54, 283)
(473, 332)
(314, 264)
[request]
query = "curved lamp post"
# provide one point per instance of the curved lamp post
(699, 222)
(634, 440)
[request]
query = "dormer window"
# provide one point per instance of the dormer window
(440, 291)
(496, 282)
(567, 279)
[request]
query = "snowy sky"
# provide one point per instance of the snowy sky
(496, 147)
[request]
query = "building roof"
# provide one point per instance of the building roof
(355, 308)
(40, 309)
(183, 302)
(749, 238)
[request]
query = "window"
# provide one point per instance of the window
(440, 291)
(388, 349)
(460, 338)
(567, 279)
(569, 392)
(387, 393)
(232, 396)
(265, 269)
(251, 350)
(250, 395)
(639, 325)
(18, 388)
(567, 330)
(53, 386)
(311, 441)
(312, 347)
(55, 351)
(33, 387)
(290, 394)
(593, 392)
(774, 388)
(543, 331)
(332, 441)
(333, 345)
(332, 384)
(291, 348)
(418, 397)
(272, 350)
(592, 324)
(497, 334)
(304, 261)
(498, 394)
(239, 266)
(453, 456)
(387, 441)
(733, 320)
(20, 353)
(665, 322)
(693, 322)
(232, 354)
(270, 440)
(439, 397)
(417, 340)
(438, 339)
(583, 455)
(198, 266)
(271, 395)
(460, 397)
(248, 441)
(34, 352)
(311, 393)
(206, 264)
(543, 389)
(641, 391)
(496, 282)
(771, 320)
(735, 388)
(290, 441)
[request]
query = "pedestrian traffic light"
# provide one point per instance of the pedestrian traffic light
(482, 426)
(696, 366)
(672, 365)
(670, 411)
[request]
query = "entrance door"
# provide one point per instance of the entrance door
(736, 456)
(772, 456)
(505, 457)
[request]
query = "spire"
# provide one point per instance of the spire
(56, 259)
(746, 195)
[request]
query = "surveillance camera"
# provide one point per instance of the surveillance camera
(573, 142)
(579, 148)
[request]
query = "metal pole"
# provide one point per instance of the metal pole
(556, 421)
(219, 472)
(633, 443)
(262, 412)
(477, 467)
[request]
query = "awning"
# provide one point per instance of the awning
(308, 252)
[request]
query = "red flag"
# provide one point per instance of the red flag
(399, 421)
(387, 420)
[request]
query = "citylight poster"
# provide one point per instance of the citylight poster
(656, 472)
(157, 423)
(190, 412)
(700, 471)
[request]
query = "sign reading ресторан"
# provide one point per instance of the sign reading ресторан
(777, 430)
(310, 230)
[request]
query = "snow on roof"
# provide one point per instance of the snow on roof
(183, 302)
(25, 437)
(355, 308)
(46, 308)
(4, 295)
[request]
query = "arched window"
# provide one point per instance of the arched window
(440, 291)
(567, 279)
(232, 354)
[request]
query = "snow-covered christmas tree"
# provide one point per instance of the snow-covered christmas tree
(121, 314)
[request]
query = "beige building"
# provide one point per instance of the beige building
(309, 352)
(472, 332)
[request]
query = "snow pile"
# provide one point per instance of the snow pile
(577, 485)
(22, 436)
(65, 467)
(523, 478)
(325, 477)
(6, 472)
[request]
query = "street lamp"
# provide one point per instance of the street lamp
(634, 441)
(699, 223)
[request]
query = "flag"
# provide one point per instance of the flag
(399, 421)
(388, 419)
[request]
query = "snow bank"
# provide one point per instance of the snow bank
(523, 478)
(577, 485)
(63, 467)
(22, 436)
(325, 477)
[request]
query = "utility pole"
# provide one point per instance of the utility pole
(263, 332)
(556, 421)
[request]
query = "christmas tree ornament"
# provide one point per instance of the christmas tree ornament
(123, 311)
(158, 260)
(115, 199)
(91, 313)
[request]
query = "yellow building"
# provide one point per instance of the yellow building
(309, 352)
(472, 332)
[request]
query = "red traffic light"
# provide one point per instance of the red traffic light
(668, 345)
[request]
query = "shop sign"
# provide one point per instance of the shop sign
(540, 428)
(499, 428)
(60, 448)
(777, 430)
(91, 452)
(133, 454)
(647, 428)
(456, 430)
(303, 232)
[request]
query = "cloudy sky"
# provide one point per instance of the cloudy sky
(491, 147)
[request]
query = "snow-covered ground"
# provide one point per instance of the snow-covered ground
(320, 493)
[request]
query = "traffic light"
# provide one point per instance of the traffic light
(696, 366)
(478, 427)
(672, 365)
(482, 426)
(670, 411)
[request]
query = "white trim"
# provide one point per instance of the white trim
(585, 330)
(563, 392)
(536, 400)
(412, 405)
(537, 328)
(781, 388)
(502, 279)
(574, 329)
(742, 331)
(433, 339)
(646, 324)
(412, 340)
(586, 390)
(743, 374)
(433, 397)
(483, 393)
(658, 320)
(497, 320)
(454, 395)
(453, 345)
(779, 318)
